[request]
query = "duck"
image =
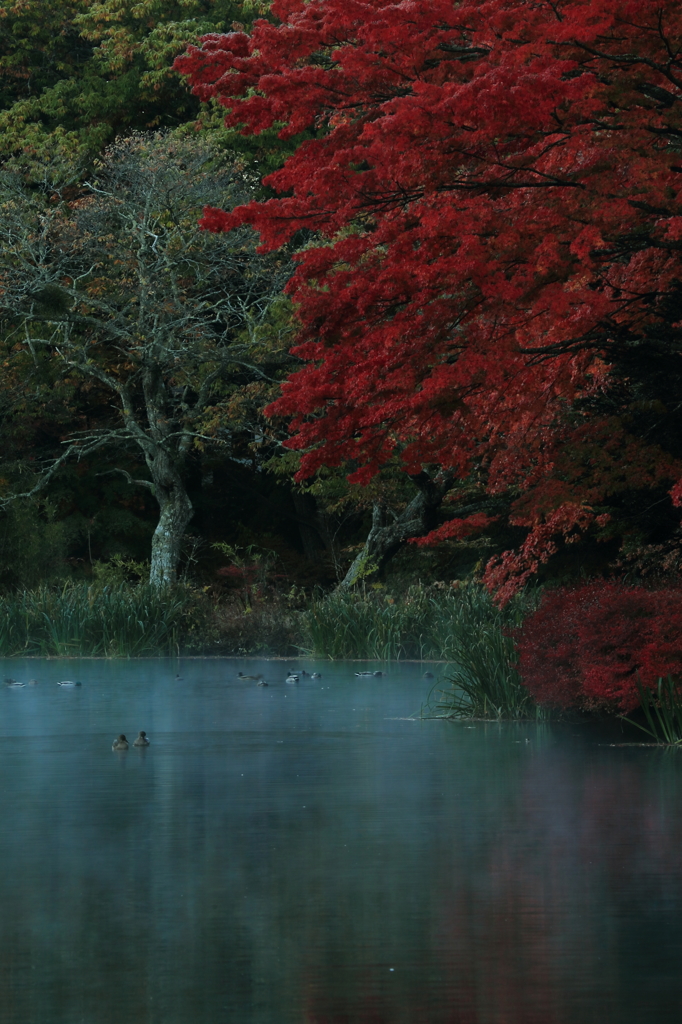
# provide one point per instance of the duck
(369, 673)
(13, 684)
(141, 741)
(316, 675)
(254, 679)
(33, 682)
(428, 675)
(291, 678)
(69, 683)
(261, 682)
(120, 743)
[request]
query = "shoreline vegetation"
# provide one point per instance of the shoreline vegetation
(459, 626)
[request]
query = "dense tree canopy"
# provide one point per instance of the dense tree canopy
(492, 213)
(76, 73)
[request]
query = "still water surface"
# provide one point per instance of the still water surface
(306, 854)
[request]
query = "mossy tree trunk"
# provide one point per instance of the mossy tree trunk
(390, 531)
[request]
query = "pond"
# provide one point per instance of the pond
(307, 853)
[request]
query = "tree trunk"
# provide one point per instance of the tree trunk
(385, 539)
(176, 512)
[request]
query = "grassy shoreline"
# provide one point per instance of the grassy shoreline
(134, 620)
(459, 628)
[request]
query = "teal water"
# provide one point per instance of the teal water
(300, 854)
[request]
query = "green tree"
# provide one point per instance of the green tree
(177, 333)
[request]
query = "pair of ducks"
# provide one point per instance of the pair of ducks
(68, 684)
(121, 743)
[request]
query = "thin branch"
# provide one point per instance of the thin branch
(131, 480)
(45, 478)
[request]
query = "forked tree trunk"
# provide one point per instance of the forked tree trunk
(385, 539)
(175, 514)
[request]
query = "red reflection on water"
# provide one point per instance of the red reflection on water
(532, 918)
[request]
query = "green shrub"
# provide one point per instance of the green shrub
(123, 619)
(119, 570)
(483, 681)
(115, 618)
(368, 624)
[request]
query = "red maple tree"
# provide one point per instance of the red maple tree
(488, 199)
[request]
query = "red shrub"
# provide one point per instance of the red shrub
(586, 646)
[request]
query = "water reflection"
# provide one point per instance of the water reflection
(304, 854)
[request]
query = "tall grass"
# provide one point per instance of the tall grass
(463, 627)
(112, 621)
(483, 680)
(662, 710)
(368, 625)
(426, 622)
(120, 619)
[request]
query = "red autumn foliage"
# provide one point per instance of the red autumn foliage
(490, 196)
(587, 646)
